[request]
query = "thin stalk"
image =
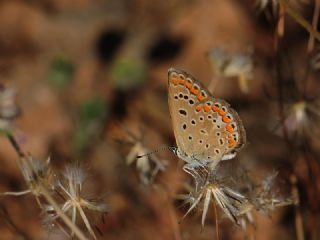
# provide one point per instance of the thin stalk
(61, 214)
(47, 195)
(300, 19)
(298, 217)
(15, 145)
(315, 20)
(216, 219)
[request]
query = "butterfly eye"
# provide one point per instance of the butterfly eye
(217, 105)
(189, 80)
(224, 109)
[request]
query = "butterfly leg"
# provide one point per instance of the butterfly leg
(191, 169)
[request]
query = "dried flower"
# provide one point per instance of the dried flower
(37, 174)
(210, 188)
(70, 188)
(262, 5)
(228, 65)
(148, 165)
(302, 119)
(265, 198)
(236, 202)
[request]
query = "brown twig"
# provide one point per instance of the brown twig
(315, 20)
(216, 220)
(46, 193)
(298, 217)
(300, 19)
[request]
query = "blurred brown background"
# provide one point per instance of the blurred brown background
(85, 72)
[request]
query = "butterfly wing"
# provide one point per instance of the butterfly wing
(205, 127)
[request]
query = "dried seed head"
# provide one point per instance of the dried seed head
(70, 188)
(147, 165)
(36, 173)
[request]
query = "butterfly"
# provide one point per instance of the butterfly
(207, 130)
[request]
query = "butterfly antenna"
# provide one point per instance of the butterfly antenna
(173, 149)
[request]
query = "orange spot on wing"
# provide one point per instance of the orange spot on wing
(181, 81)
(229, 128)
(215, 108)
(200, 97)
(225, 119)
(194, 91)
(221, 112)
(175, 81)
(198, 108)
(206, 108)
(232, 142)
(188, 85)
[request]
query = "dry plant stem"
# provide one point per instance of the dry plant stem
(315, 20)
(300, 20)
(61, 214)
(298, 217)
(216, 219)
(312, 193)
(16, 193)
(280, 98)
(251, 232)
(306, 80)
(281, 23)
(47, 195)
(15, 145)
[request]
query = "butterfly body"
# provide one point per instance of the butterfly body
(206, 129)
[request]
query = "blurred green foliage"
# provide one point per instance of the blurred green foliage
(92, 113)
(60, 72)
(128, 73)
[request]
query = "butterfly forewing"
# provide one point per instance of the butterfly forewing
(205, 128)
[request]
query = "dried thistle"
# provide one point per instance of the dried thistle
(70, 189)
(302, 119)
(37, 174)
(226, 65)
(263, 5)
(271, 7)
(237, 202)
(265, 198)
(209, 188)
(148, 165)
